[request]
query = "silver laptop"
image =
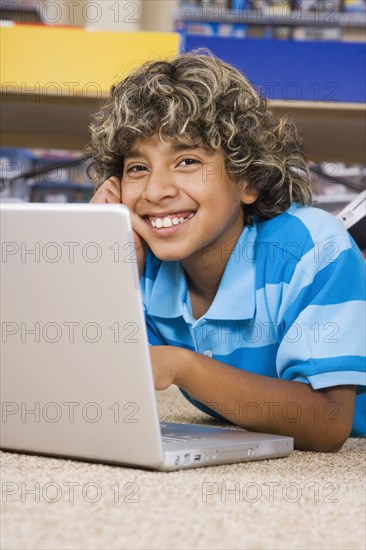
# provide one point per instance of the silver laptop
(76, 379)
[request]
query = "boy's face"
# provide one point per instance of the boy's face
(181, 199)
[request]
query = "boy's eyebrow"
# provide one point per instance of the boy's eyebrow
(134, 153)
(176, 148)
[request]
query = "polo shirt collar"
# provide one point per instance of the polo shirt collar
(235, 297)
(169, 291)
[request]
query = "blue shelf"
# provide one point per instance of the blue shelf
(291, 70)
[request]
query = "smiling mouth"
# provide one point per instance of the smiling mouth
(169, 220)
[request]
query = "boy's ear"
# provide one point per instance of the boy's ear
(249, 196)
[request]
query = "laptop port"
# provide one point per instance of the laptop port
(197, 458)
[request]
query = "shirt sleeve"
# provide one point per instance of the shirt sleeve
(146, 284)
(153, 335)
(321, 324)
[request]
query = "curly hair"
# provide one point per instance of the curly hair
(197, 97)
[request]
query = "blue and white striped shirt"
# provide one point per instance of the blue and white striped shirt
(290, 305)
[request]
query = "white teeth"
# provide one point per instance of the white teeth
(168, 222)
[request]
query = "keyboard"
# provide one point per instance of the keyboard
(174, 438)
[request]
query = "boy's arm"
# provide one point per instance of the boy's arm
(318, 420)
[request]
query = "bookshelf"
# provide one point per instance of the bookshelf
(319, 85)
(54, 78)
(334, 132)
(47, 103)
(297, 17)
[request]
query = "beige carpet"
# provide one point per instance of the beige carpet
(305, 501)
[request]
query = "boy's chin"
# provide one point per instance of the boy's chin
(167, 255)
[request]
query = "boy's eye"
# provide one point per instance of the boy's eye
(189, 162)
(136, 168)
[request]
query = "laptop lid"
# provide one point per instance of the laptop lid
(76, 378)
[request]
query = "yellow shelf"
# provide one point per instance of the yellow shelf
(60, 60)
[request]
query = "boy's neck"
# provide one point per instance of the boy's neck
(204, 271)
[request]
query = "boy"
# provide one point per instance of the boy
(253, 298)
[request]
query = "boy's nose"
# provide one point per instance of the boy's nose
(159, 186)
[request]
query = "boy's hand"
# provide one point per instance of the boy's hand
(167, 364)
(110, 193)
(163, 362)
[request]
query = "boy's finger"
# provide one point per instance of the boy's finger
(115, 180)
(113, 184)
(107, 195)
(111, 196)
